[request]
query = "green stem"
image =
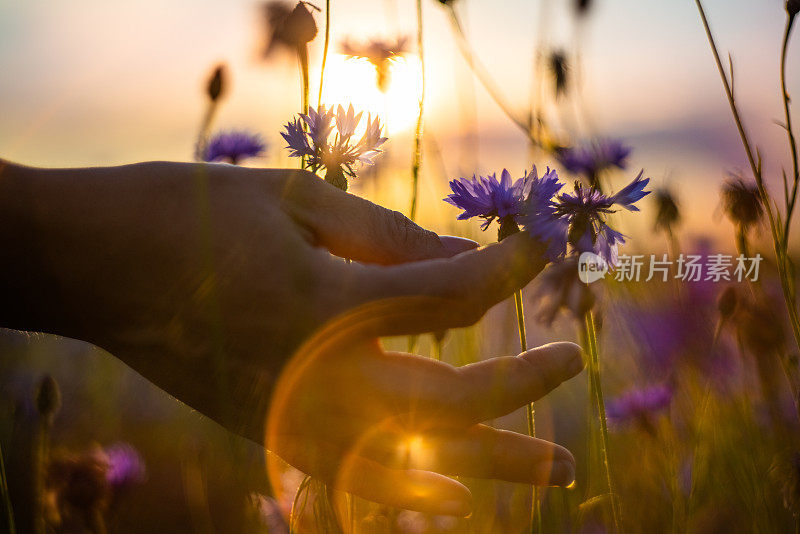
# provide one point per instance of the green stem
(790, 199)
(325, 49)
(483, 76)
(417, 157)
(781, 253)
(6, 495)
(536, 512)
(594, 373)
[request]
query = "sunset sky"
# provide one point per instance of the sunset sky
(91, 82)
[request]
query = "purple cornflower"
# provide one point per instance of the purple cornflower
(639, 406)
(487, 197)
(594, 157)
(233, 146)
(125, 466)
(309, 136)
(378, 52)
(579, 219)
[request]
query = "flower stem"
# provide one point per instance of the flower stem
(417, 157)
(325, 49)
(6, 496)
(536, 511)
(780, 245)
(790, 199)
(594, 375)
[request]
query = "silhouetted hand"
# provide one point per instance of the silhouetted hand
(207, 278)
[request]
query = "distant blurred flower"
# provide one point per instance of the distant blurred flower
(76, 493)
(668, 214)
(557, 63)
(124, 466)
(742, 202)
(217, 83)
(234, 147)
(378, 52)
(288, 27)
(595, 157)
(639, 407)
(309, 137)
(560, 289)
(582, 215)
(48, 398)
(489, 198)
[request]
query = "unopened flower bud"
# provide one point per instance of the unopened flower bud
(217, 83)
(727, 302)
(48, 397)
(668, 214)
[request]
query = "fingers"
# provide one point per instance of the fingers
(400, 487)
(480, 452)
(352, 227)
(430, 393)
(428, 295)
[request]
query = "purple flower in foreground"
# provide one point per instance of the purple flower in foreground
(309, 136)
(579, 219)
(594, 157)
(125, 466)
(639, 406)
(489, 198)
(233, 146)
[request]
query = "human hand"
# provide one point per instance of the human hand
(389, 426)
(206, 278)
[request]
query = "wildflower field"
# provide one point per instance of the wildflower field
(644, 151)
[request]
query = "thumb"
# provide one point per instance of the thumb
(353, 227)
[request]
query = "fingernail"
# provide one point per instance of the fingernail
(456, 245)
(562, 473)
(456, 508)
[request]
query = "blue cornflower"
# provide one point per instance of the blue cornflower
(640, 407)
(233, 146)
(594, 157)
(309, 137)
(489, 198)
(579, 219)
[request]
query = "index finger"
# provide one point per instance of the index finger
(433, 294)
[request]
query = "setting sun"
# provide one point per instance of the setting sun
(353, 80)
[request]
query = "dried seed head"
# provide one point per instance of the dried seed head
(742, 202)
(557, 63)
(792, 7)
(726, 304)
(48, 397)
(668, 214)
(217, 83)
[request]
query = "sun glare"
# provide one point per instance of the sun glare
(353, 80)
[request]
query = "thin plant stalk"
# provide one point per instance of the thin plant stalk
(778, 234)
(536, 511)
(790, 199)
(6, 495)
(594, 375)
(483, 76)
(205, 130)
(417, 157)
(325, 49)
